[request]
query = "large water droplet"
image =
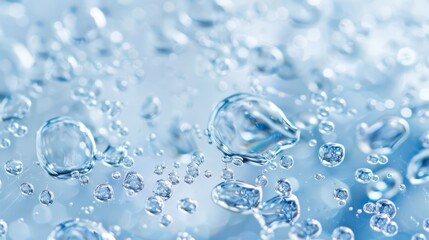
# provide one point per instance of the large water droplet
(65, 146)
(418, 168)
(251, 127)
(14, 107)
(237, 196)
(383, 136)
(133, 181)
(103, 193)
(279, 211)
(343, 233)
(80, 229)
(331, 154)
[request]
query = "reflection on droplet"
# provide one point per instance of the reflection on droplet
(251, 127)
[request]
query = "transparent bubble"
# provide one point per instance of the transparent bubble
(14, 107)
(187, 205)
(425, 224)
(323, 112)
(418, 168)
(198, 158)
(237, 196)
(26, 189)
(116, 175)
(166, 220)
(364, 175)
(151, 108)
(279, 211)
(331, 154)
(326, 127)
(184, 236)
(80, 229)
(154, 205)
(133, 181)
(267, 59)
(227, 174)
(188, 179)
(222, 66)
(242, 119)
(391, 229)
(261, 180)
(286, 161)
(3, 228)
(318, 98)
(337, 104)
(343, 233)
(163, 189)
(418, 236)
(385, 206)
(207, 173)
(341, 194)
(319, 176)
(406, 56)
(307, 229)
(65, 146)
(103, 193)
(14, 167)
(46, 197)
(5, 143)
(192, 170)
(283, 187)
(174, 178)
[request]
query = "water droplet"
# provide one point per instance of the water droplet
(319, 176)
(364, 175)
(378, 222)
(151, 108)
(27, 189)
(391, 229)
(337, 104)
(116, 175)
(425, 224)
(387, 186)
(318, 98)
(326, 127)
(385, 206)
(323, 112)
(341, 195)
(80, 229)
(406, 56)
(192, 170)
(154, 205)
(331, 154)
(103, 193)
(279, 211)
(187, 205)
(46, 197)
(3, 228)
(114, 156)
(418, 168)
(5, 143)
(227, 174)
(174, 178)
(307, 229)
(267, 59)
(418, 236)
(343, 233)
(369, 208)
(237, 196)
(184, 236)
(14, 107)
(166, 220)
(261, 180)
(286, 161)
(17, 130)
(61, 156)
(251, 127)
(383, 136)
(14, 167)
(312, 142)
(207, 173)
(283, 187)
(188, 179)
(133, 181)
(163, 188)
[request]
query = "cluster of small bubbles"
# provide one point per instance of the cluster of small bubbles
(364, 175)
(159, 169)
(165, 220)
(418, 236)
(261, 180)
(312, 142)
(337, 104)
(26, 189)
(198, 158)
(174, 178)
(377, 159)
(188, 179)
(14, 167)
(116, 175)
(3, 228)
(326, 127)
(187, 205)
(46, 197)
(318, 98)
(323, 112)
(17, 129)
(331, 154)
(286, 161)
(343, 233)
(319, 177)
(103, 193)
(307, 229)
(5, 143)
(154, 205)
(341, 195)
(184, 236)
(133, 181)
(425, 224)
(283, 187)
(163, 189)
(208, 173)
(227, 174)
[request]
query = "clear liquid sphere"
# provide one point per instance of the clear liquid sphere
(65, 146)
(251, 127)
(418, 168)
(80, 229)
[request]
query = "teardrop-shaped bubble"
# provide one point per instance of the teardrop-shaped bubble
(279, 211)
(237, 196)
(383, 136)
(251, 127)
(80, 229)
(418, 168)
(65, 146)
(387, 186)
(14, 107)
